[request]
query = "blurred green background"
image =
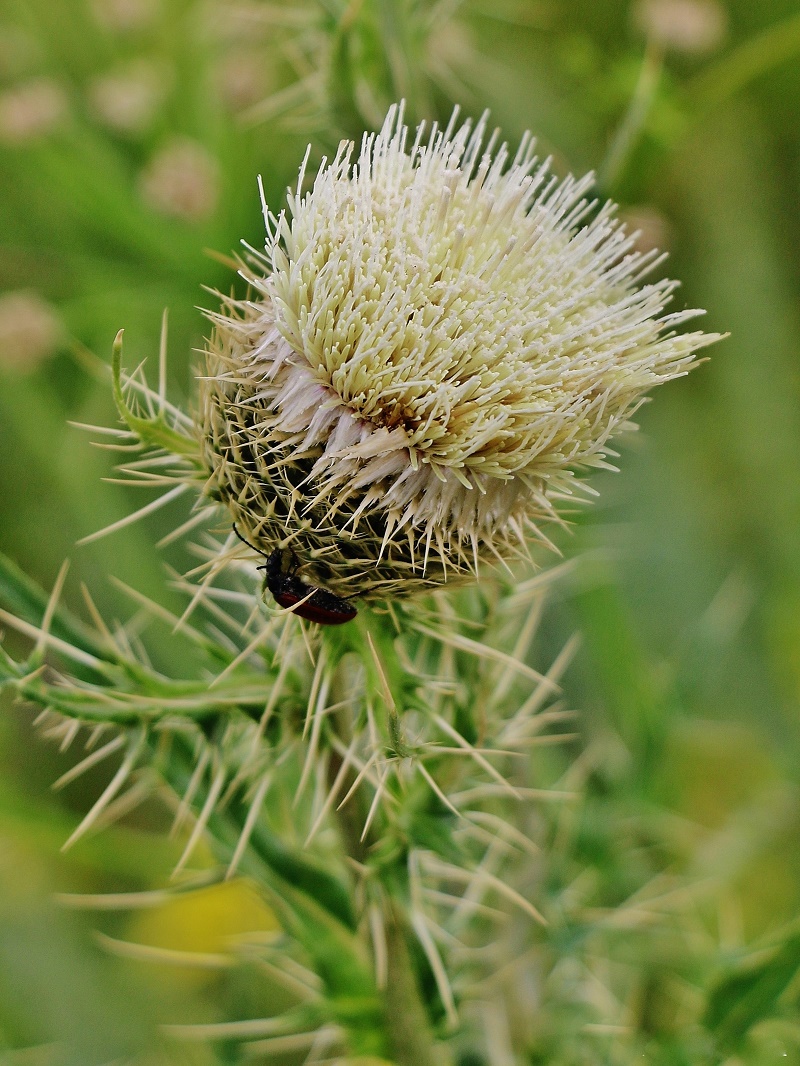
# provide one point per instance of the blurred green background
(131, 134)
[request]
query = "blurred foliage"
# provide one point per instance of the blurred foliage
(131, 133)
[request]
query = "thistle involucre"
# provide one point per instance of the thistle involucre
(441, 337)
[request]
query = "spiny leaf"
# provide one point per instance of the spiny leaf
(154, 431)
(24, 598)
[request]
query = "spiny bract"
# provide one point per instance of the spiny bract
(439, 338)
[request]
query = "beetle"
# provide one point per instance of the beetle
(288, 590)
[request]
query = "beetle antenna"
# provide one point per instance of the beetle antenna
(247, 542)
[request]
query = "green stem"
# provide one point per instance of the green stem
(770, 48)
(406, 1018)
(625, 138)
(408, 1026)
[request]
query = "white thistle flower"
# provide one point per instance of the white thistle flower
(441, 337)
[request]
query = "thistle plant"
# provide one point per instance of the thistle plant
(440, 339)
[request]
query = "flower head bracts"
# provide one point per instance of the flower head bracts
(441, 338)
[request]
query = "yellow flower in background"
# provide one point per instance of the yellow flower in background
(441, 336)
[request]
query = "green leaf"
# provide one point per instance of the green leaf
(340, 960)
(267, 852)
(750, 994)
(313, 880)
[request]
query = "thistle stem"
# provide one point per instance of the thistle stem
(409, 1028)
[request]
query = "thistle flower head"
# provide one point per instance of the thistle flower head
(441, 337)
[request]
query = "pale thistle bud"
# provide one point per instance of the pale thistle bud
(441, 336)
(694, 27)
(31, 110)
(30, 330)
(127, 99)
(181, 180)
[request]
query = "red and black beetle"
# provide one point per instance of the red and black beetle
(315, 604)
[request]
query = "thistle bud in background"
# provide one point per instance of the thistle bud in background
(441, 339)
(30, 330)
(31, 110)
(127, 98)
(694, 27)
(181, 181)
